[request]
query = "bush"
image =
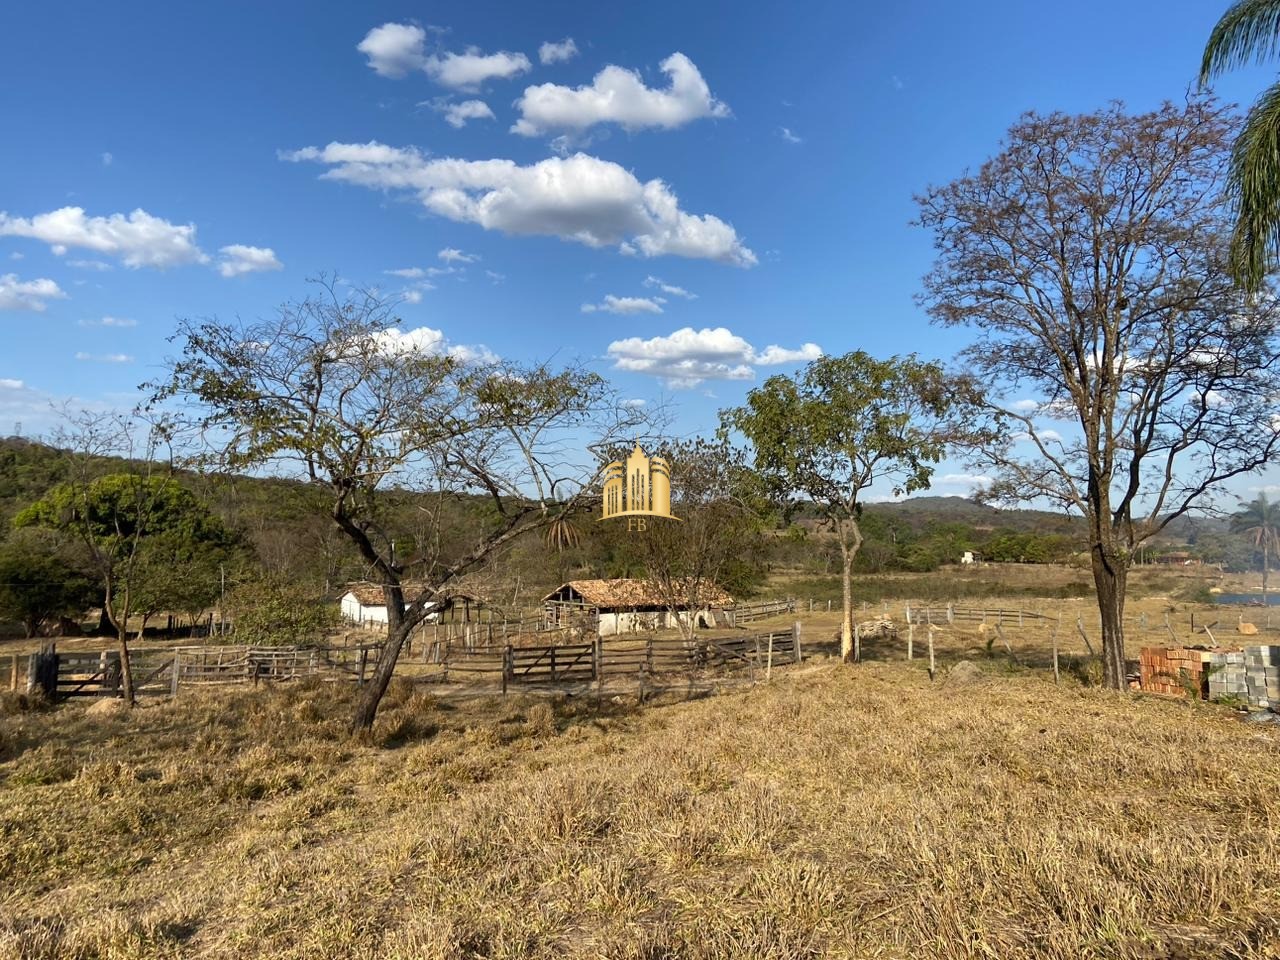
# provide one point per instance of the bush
(275, 612)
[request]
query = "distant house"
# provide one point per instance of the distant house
(364, 603)
(626, 606)
(968, 557)
(1179, 558)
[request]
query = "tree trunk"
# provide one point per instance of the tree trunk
(1265, 565)
(847, 653)
(367, 705)
(1110, 579)
(121, 625)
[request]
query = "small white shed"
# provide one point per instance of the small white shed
(364, 603)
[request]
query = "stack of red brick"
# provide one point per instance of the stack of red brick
(1175, 671)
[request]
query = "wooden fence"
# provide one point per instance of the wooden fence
(617, 658)
(953, 614)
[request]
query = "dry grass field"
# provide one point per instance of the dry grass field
(832, 812)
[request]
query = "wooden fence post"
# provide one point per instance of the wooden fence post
(795, 639)
(1056, 677)
(361, 659)
(932, 669)
(768, 670)
(13, 674)
(174, 680)
(42, 671)
(508, 667)
(911, 638)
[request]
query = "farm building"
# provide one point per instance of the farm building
(626, 606)
(364, 603)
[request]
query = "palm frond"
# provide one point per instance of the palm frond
(1249, 30)
(1253, 185)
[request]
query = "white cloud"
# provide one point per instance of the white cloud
(139, 239)
(396, 49)
(786, 134)
(495, 276)
(7, 384)
(17, 255)
(669, 288)
(963, 480)
(117, 322)
(457, 114)
(550, 52)
(623, 305)
(468, 71)
(18, 294)
(409, 273)
(106, 159)
(1024, 406)
(99, 265)
(432, 342)
(454, 255)
(687, 357)
(579, 198)
(238, 259)
(105, 357)
(617, 95)
(635, 402)
(411, 295)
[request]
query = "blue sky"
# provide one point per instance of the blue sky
(763, 177)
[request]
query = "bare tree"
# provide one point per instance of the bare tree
(1090, 259)
(332, 390)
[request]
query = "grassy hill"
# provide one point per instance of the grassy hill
(834, 812)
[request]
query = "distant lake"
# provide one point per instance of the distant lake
(1251, 599)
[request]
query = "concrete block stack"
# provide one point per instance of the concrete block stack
(1228, 676)
(1262, 675)
(1175, 670)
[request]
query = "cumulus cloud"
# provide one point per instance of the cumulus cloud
(397, 49)
(433, 343)
(669, 288)
(99, 265)
(238, 259)
(139, 240)
(8, 384)
(687, 357)
(394, 49)
(579, 198)
(117, 322)
(18, 294)
(618, 95)
(550, 52)
(454, 255)
(457, 114)
(624, 305)
(786, 134)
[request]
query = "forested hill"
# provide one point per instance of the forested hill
(289, 534)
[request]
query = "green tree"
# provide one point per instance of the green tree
(331, 390)
(119, 519)
(38, 585)
(1133, 376)
(844, 424)
(1250, 31)
(1259, 521)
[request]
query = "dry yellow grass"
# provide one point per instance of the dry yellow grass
(842, 812)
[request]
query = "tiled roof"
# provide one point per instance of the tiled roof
(632, 593)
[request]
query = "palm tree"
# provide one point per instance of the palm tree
(1260, 522)
(1250, 31)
